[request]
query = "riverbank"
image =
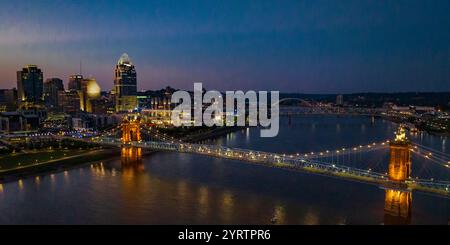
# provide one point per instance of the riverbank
(31, 164)
(57, 165)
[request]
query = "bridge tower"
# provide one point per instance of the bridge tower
(131, 129)
(400, 157)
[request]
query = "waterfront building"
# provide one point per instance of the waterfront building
(125, 85)
(57, 121)
(162, 100)
(86, 121)
(18, 122)
(52, 87)
(30, 85)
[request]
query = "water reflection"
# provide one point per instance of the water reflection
(278, 215)
(397, 207)
(227, 205)
(20, 184)
(131, 161)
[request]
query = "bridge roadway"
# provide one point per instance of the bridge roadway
(292, 162)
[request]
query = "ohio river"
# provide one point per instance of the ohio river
(173, 188)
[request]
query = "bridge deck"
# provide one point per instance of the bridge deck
(295, 162)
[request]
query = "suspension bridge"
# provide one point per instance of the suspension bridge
(133, 134)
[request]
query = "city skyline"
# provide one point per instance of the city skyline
(303, 47)
(250, 113)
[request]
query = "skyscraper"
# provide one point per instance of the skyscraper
(75, 82)
(30, 85)
(90, 90)
(52, 86)
(125, 85)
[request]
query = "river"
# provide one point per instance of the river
(174, 188)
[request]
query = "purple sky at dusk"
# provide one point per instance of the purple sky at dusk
(318, 46)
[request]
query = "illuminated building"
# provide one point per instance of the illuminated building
(125, 85)
(30, 85)
(144, 99)
(52, 87)
(90, 91)
(400, 157)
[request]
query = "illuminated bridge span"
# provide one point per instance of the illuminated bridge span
(397, 177)
(132, 134)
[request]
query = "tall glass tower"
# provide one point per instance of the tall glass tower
(30, 85)
(125, 85)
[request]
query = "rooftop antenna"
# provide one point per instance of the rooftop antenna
(81, 71)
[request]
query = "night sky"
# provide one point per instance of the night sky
(293, 46)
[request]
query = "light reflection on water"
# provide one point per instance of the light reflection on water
(171, 188)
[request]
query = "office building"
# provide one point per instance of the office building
(52, 87)
(125, 85)
(30, 85)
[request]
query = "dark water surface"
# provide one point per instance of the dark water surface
(173, 188)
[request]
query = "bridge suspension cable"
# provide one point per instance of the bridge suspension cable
(432, 155)
(348, 150)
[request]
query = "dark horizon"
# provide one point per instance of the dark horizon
(314, 47)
